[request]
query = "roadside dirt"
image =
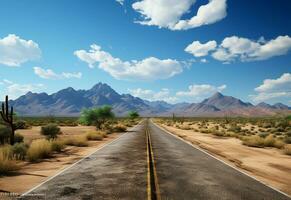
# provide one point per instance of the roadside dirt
(268, 165)
(32, 174)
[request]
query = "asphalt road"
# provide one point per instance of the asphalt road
(120, 171)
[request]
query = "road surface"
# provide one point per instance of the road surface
(148, 163)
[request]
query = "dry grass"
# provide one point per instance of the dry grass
(79, 141)
(57, 145)
(257, 141)
(95, 135)
(287, 149)
(119, 128)
(39, 149)
(7, 162)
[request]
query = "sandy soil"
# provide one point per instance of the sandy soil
(31, 174)
(269, 165)
(34, 132)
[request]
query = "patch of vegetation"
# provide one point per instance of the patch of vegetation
(95, 135)
(96, 116)
(287, 149)
(7, 162)
(57, 145)
(39, 149)
(79, 141)
(51, 131)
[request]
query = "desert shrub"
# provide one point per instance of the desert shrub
(50, 131)
(21, 124)
(263, 135)
(57, 145)
(185, 127)
(218, 133)
(287, 138)
(7, 163)
(287, 149)
(4, 134)
(269, 141)
(95, 135)
(19, 151)
(234, 128)
(204, 131)
(253, 141)
(257, 141)
(18, 138)
(119, 128)
(39, 149)
(79, 141)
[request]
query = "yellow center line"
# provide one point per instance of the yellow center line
(151, 163)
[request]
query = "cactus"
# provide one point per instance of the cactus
(8, 118)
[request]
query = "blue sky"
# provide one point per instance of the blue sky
(139, 47)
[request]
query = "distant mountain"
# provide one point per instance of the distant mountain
(278, 106)
(225, 102)
(70, 102)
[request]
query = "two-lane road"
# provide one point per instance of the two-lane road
(120, 170)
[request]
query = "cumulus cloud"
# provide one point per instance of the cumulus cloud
(199, 92)
(14, 51)
(199, 50)
(168, 13)
(147, 69)
(50, 74)
(273, 88)
(14, 90)
(162, 95)
(243, 49)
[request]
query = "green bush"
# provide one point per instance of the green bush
(50, 131)
(18, 138)
(19, 151)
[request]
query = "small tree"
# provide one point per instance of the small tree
(96, 116)
(133, 114)
(51, 131)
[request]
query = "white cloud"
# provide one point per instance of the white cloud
(147, 69)
(210, 13)
(14, 90)
(162, 95)
(199, 92)
(199, 50)
(237, 48)
(121, 2)
(50, 74)
(273, 88)
(168, 13)
(243, 49)
(14, 51)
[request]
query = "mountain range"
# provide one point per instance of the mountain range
(70, 102)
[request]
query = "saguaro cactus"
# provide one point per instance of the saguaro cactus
(8, 118)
